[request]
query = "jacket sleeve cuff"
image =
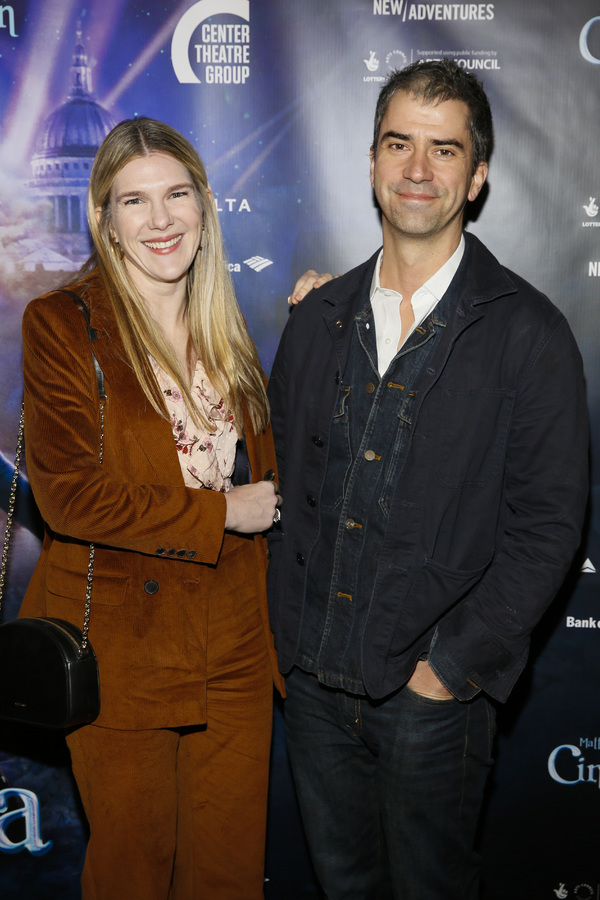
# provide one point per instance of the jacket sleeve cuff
(459, 682)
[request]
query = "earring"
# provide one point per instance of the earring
(120, 249)
(201, 238)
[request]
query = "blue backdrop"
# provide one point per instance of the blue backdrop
(279, 98)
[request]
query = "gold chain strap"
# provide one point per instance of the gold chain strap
(11, 504)
(10, 517)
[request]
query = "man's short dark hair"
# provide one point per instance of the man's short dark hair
(437, 81)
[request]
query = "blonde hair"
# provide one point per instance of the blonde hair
(216, 326)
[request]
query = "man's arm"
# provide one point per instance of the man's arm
(483, 643)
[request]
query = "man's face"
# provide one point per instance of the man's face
(422, 169)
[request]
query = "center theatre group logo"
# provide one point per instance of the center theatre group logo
(584, 41)
(223, 54)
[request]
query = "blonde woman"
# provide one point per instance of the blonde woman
(173, 773)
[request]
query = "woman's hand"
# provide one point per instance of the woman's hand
(306, 283)
(251, 507)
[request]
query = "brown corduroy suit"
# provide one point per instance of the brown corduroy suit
(173, 774)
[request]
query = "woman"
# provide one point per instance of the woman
(173, 773)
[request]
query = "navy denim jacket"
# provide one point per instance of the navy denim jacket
(492, 495)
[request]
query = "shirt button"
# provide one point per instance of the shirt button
(151, 586)
(388, 340)
(160, 551)
(171, 551)
(370, 387)
(370, 454)
(317, 440)
(311, 500)
(181, 553)
(191, 554)
(299, 559)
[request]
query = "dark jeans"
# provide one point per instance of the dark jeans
(390, 791)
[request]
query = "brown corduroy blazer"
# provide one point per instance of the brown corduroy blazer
(161, 547)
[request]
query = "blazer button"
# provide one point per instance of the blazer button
(299, 559)
(151, 587)
(160, 551)
(311, 500)
(317, 440)
(171, 551)
(191, 554)
(181, 553)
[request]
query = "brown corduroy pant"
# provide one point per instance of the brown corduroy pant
(180, 814)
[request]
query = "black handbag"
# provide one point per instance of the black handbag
(48, 668)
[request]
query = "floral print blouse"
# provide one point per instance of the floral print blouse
(207, 458)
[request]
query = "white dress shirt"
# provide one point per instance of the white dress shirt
(386, 306)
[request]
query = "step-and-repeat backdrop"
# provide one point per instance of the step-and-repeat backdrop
(279, 98)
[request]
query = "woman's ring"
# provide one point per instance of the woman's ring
(277, 516)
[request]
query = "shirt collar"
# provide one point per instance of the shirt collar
(434, 288)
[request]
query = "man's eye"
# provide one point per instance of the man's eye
(132, 201)
(179, 194)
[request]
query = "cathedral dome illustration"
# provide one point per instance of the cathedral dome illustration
(66, 146)
(77, 128)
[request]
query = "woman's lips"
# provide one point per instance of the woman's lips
(165, 245)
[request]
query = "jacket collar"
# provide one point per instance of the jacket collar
(152, 432)
(482, 277)
(484, 280)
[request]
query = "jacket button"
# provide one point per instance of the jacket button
(311, 500)
(337, 377)
(171, 551)
(191, 554)
(299, 559)
(181, 553)
(151, 587)
(317, 440)
(370, 387)
(160, 551)
(339, 324)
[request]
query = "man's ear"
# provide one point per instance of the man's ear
(372, 158)
(478, 180)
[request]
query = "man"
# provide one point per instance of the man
(430, 426)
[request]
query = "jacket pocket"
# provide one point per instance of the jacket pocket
(109, 589)
(474, 432)
(435, 590)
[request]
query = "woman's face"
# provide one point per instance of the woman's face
(156, 216)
